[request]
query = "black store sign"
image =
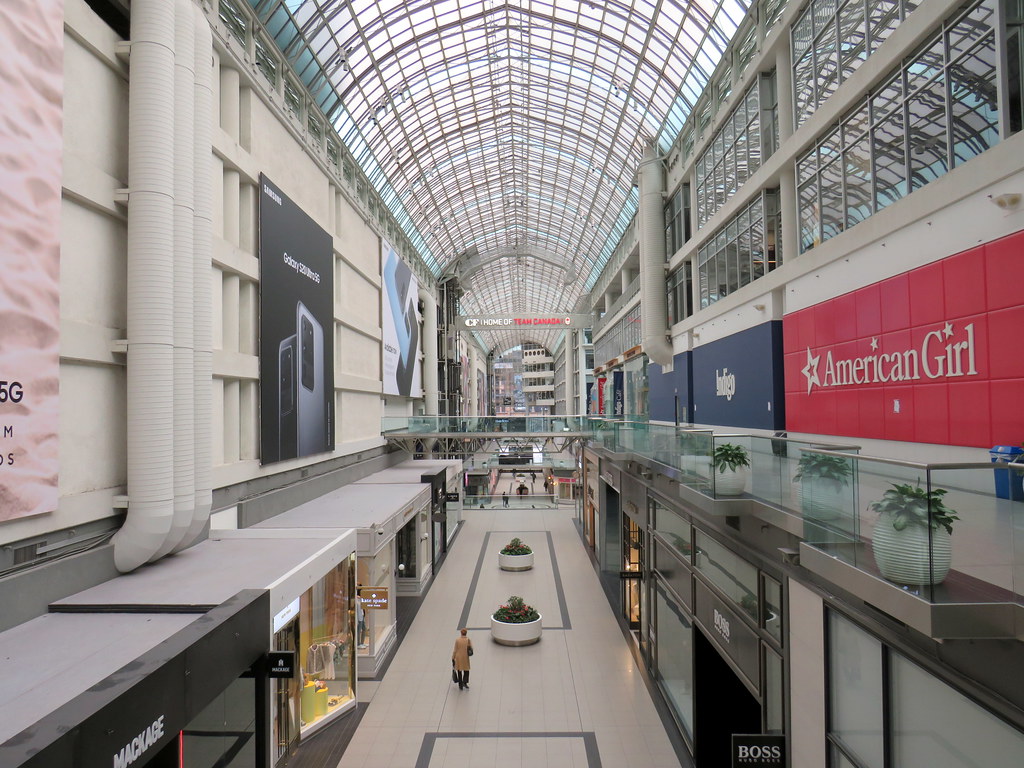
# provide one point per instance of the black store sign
(728, 631)
(281, 664)
(758, 751)
(451, 496)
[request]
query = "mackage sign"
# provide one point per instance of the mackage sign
(138, 746)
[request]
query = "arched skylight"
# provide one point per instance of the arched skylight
(500, 130)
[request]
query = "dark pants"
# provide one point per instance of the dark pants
(463, 679)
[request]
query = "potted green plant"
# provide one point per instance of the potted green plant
(516, 623)
(730, 462)
(515, 556)
(912, 537)
(822, 482)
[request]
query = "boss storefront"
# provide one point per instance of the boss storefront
(715, 637)
(738, 381)
(929, 356)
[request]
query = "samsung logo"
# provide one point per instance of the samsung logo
(271, 194)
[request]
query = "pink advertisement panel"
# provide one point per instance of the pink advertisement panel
(31, 91)
(933, 355)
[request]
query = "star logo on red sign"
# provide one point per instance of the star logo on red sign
(810, 371)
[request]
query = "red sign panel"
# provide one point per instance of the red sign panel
(935, 355)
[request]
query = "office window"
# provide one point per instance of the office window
(938, 110)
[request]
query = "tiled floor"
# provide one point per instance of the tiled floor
(574, 699)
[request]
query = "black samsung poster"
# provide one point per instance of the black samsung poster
(296, 330)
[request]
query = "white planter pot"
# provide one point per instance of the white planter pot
(515, 562)
(902, 556)
(731, 482)
(515, 634)
(822, 501)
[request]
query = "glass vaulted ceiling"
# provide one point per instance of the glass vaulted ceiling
(505, 134)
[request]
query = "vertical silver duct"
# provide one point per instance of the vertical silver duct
(474, 395)
(202, 237)
(653, 295)
(150, 408)
(429, 352)
(184, 276)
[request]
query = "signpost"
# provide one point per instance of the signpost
(374, 598)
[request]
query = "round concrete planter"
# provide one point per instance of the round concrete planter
(515, 634)
(515, 562)
(904, 557)
(823, 502)
(731, 482)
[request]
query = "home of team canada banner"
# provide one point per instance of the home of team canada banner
(503, 322)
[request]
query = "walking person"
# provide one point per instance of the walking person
(504, 499)
(460, 659)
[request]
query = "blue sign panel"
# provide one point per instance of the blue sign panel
(618, 386)
(738, 380)
(668, 394)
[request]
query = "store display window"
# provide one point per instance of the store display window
(326, 644)
(373, 625)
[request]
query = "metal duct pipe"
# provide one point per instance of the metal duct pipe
(184, 276)
(202, 247)
(474, 394)
(653, 295)
(150, 407)
(429, 352)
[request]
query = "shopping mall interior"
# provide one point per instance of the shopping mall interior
(671, 351)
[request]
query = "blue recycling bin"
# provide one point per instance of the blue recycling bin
(1009, 482)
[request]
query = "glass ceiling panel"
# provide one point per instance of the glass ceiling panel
(506, 128)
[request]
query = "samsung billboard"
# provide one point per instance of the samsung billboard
(296, 330)
(400, 327)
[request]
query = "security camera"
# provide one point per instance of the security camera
(380, 532)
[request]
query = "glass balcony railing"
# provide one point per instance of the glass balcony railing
(936, 530)
(888, 518)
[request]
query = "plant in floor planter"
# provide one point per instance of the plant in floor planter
(516, 623)
(912, 538)
(822, 482)
(730, 462)
(515, 556)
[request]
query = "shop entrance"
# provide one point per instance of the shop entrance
(722, 705)
(632, 572)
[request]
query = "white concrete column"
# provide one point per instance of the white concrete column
(230, 301)
(232, 430)
(229, 102)
(232, 193)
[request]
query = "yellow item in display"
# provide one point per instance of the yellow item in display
(320, 703)
(306, 703)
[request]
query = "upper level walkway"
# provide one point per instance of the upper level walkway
(826, 497)
(575, 699)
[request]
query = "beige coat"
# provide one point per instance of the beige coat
(460, 655)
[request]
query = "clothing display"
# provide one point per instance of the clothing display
(324, 658)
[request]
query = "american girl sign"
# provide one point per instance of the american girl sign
(931, 355)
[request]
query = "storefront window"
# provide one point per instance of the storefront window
(673, 528)
(773, 608)
(774, 694)
(855, 664)
(372, 625)
(405, 545)
(675, 658)
(326, 639)
(224, 733)
(734, 576)
(932, 724)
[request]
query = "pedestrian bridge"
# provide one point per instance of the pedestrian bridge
(496, 434)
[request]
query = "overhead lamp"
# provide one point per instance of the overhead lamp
(1008, 201)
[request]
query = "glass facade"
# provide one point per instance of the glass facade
(831, 40)
(936, 112)
(733, 156)
(625, 334)
(744, 249)
(887, 710)
(675, 657)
